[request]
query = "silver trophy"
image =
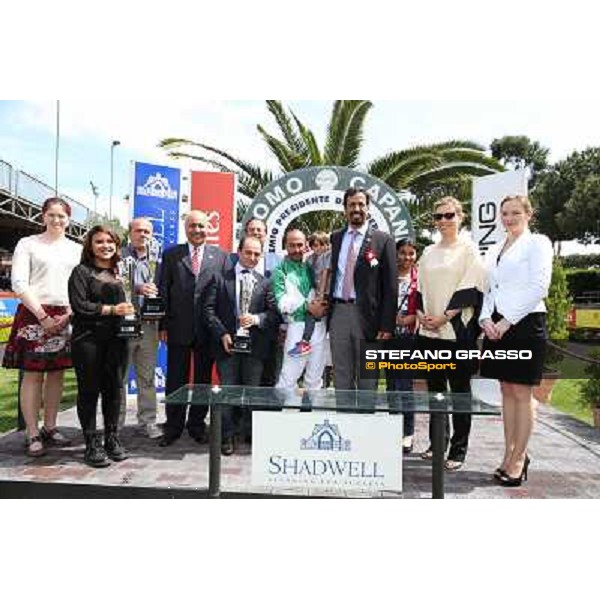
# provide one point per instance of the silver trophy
(242, 343)
(153, 307)
(130, 326)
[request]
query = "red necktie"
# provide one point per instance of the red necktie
(195, 261)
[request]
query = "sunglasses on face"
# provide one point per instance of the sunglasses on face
(448, 216)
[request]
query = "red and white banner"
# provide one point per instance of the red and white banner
(214, 193)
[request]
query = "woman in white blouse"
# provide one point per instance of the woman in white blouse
(39, 341)
(513, 317)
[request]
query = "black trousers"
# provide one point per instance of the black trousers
(178, 369)
(238, 369)
(100, 366)
(461, 423)
(459, 382)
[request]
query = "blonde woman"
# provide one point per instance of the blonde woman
(513, 314)
(450, 284)
(39, 342)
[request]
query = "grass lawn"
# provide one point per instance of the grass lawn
(566, 397)
(9, 379)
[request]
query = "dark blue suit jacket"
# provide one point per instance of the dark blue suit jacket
(184, 294)
(220, 312)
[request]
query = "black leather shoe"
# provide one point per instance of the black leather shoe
(227, 447)
(166, 440)
(200, 438)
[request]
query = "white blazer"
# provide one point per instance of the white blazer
(518, 283)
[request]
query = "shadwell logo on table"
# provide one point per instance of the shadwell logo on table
(369, 458)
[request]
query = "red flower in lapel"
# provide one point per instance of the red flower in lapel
(371, 257)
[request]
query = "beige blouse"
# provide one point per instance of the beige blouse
(449, 278)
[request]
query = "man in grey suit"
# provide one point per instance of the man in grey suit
(364, 290)
(186, 271)
(225, 300)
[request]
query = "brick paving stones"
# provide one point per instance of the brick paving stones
(565, 463)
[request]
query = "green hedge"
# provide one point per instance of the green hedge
(581, 261)
(582, 280)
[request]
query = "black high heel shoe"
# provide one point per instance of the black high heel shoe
(507, 481)
(499, 473)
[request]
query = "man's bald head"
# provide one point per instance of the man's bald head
(195, 227)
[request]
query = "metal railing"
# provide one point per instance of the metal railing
(20, 184)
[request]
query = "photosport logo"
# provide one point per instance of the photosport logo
(157, 186)
(326, 436)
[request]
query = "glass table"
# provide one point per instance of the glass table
(437, 405)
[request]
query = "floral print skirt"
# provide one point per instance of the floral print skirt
(31, 348)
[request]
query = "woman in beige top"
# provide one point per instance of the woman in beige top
(449, 298)
(39, 342)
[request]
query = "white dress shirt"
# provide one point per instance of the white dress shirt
(519, 281)
(341, 265)
(238, 277)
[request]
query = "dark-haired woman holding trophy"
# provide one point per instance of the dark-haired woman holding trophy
(98, 301)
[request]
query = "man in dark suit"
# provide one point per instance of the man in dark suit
(225, 312)
(185, 273)
(266, 265)
(364, 290)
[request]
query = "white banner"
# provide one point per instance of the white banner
(327, 450)
(488, 192)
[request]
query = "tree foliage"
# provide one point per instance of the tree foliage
(428, 171)
(519, 152)
(567, 198)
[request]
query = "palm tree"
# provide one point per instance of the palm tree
(428, 171)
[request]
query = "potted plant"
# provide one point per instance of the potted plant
(590, 389)
(558, 304)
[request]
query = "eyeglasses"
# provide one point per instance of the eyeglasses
(448, 216)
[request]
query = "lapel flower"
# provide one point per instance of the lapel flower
(371, 258)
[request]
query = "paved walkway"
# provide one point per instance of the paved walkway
(565, 462)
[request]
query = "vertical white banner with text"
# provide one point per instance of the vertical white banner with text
(488, 192)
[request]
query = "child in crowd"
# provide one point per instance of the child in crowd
(320, 262)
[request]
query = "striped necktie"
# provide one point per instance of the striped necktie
(195, 261)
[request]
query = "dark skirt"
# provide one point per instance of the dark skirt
(31, 348)
(528, 334)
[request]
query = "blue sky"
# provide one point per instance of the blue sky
(27, 131)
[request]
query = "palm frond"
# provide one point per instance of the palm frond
(312, 148)
(251, 179)
(344, 133)
(471, 156)
(449, 171)
(249, 168)
(293, 140)
(288, 159)
(352, 138)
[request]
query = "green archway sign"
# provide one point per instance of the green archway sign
(322, 188)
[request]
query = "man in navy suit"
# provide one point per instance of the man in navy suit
(223, 314)
(185, 273)
(266, 265)
(364, 290)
